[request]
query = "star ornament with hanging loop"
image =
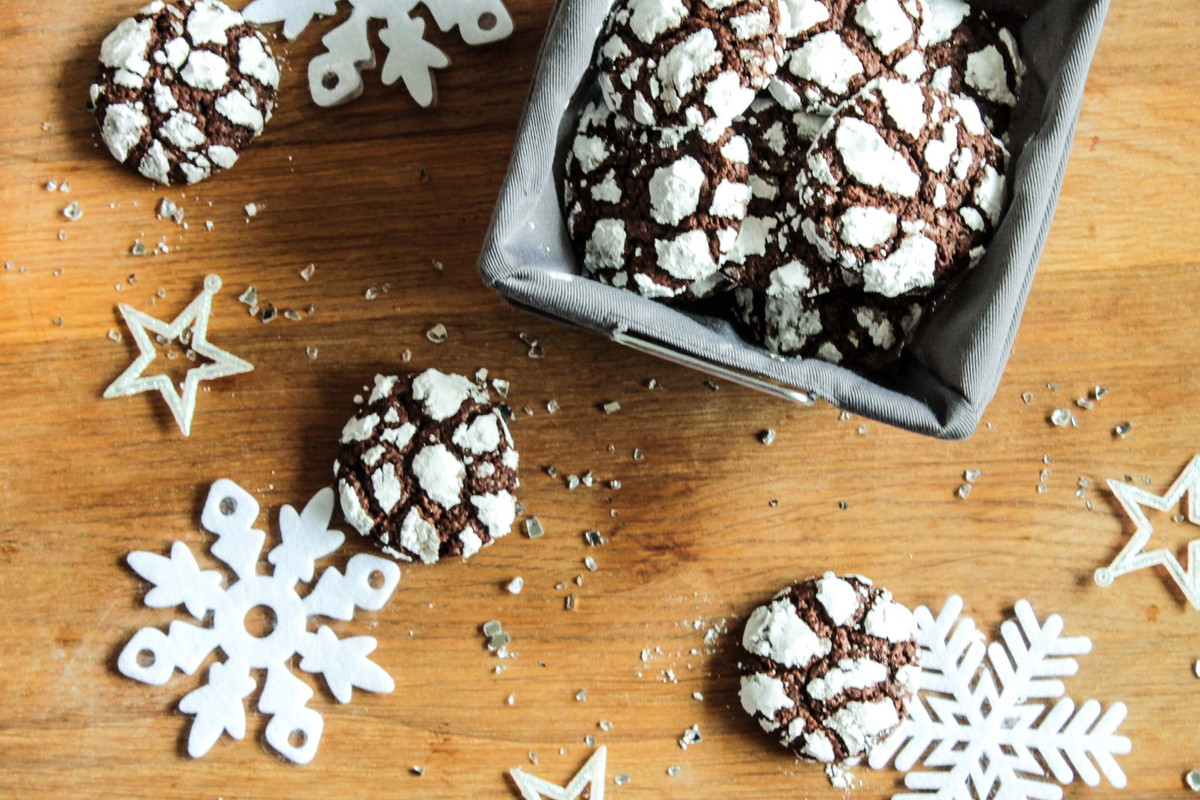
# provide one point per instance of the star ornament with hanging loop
(182, 401)
(590, 777)
(1134, 556)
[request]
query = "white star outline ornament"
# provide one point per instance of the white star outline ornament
(221, 363)
(590, 774)
(1134, 555)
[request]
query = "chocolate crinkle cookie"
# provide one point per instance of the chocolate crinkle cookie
(427, 468)
(688, 62)
(184, 87)
(835, 47)
(968, 51)
(902, 188)
(830, 666)
(654, 210)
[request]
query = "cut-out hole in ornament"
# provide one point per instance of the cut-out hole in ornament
(375, 579)
(260, 622)
(330, 80)
(487, 21)
(228, 506)
(145, 659)
(297, 738)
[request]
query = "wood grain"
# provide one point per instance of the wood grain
(692, 532)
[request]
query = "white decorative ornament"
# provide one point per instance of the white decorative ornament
(195, 316)
(988, 729)
(294, 729)
(336, 76)
(1134, 555)
(590, 777)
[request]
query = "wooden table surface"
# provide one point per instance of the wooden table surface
(694, 532)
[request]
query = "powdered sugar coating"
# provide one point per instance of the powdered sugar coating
(654, 210)
(838, 46)
(183, 88)
(895, 185)
(837, 702)
(688, 63)
(427, 467)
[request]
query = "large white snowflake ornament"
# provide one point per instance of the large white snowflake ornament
(336, 76)
(294, 730)
(994, 729)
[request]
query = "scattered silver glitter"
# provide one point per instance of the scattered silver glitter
(249, 297)
(1178, 518)
(1083, 482)
(511, 700)
(1098, 392)
(971, 475)
(1052, 386)
(579, 580)
(73, 211)
(292, 314)
(862, 430)
(552, 471)
(593, 538)
(1085, 403)
(1041, 488)
(251, 209)
(533, 759)
(638, 455)
(572, 482)
(166, 208)
(1192, 779)
(844, 416)
(371, 293)
(690, 737)
(1061, 417)
(500, 386)
(581, 695)
(552, 406)
(406, 355)
(964, 491)
(1123, 429)
(611, 408)
(1046, 459)
(843, 505)
(308, 271)
(605, 725)
(1027, 397)
(569, 602)
(437, 334)
(712, 385)
(1196, 669)
(417, 770)
(533, 528)
(62, 236)
(590, 563)
(614, 484)
(58, 321)
(516, 585)
(312, 352)
(269, 313)
(1044, 475)
(65, 187)
(653, 385)
(528, 410)
(674, 771)
(588, 479)
(492, 628)
(114, 335)
(621, 780)
(697, 696)
(767, 437)
(589, 740)
(51, 186)
(161, 294)
(252, 309)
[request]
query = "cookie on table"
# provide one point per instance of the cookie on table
(184, 87)
(653, 210)
(777, 139)
(835, 47)
(668, 63)
(969, 52)
(829, 666)
(427, 468)
(903, 187)
(843, 326)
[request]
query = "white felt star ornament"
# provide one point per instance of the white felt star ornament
(1135, 556)
(220, 363)
(591, 775)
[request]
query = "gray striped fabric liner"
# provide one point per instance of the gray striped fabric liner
(946, 377)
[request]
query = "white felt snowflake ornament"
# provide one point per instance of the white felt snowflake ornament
(336, 76)
(992, 719)
(294, 730)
